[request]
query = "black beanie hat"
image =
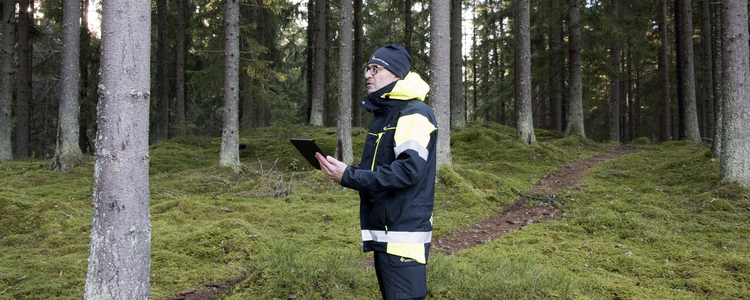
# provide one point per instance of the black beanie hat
(394, 57)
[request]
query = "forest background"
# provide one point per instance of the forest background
(219, 67)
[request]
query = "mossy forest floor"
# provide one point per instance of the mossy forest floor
(654, 224)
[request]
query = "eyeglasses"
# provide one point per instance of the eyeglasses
(373, 69)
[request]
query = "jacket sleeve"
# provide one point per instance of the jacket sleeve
(411, 139)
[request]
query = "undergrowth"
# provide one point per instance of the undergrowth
(653, 224)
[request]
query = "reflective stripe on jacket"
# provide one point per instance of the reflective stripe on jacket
(396, 176)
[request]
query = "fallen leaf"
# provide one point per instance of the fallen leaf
(252, 235)
(61, 273)
(183, 293)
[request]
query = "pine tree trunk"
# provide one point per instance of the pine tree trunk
(614, 94)
(67, 153)
(162, 103)
(458, 104)
(6, 86)
(344, 130)
(440, 81)
(708, 82)
(629, 98)
(524, 111)
(357, 82)
(230, 141)
(686, 75)
(665, 118)
(408, 27)
(86, 104)
(180, 49)
(310, 71)
(575, 107)
(319, 74)
(718, 78)
(735, 154)
(555, 40)
(484, 53)
(120, 247)
(23, 81)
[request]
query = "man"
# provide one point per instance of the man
(396, 176)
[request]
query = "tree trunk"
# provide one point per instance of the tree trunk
(735, 154)
(458, 104)
(665, 119)
(344, 130)
(319, 74)
(686, 75)
(629, 98)
(357, 82)
(408, 27)
(162, 103)
(230, 141)
(180, 49)
(708, 82)
(718, 80)
(23, 81)
(440, 83)
(120, 247)
(524, 111)
(575, 107)
(310, 56)
(68, 153)
(6, 87)
(87, 106)
(614, 94)
(555, 40)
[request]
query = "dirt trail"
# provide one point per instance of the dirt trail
(518, 215)
(514, 217)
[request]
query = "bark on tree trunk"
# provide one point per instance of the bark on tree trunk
(614, 94)
(6, 87)
(344, 130)
(524, 111)
(319, 75)
(407, 25)
(718, 77)
(575, 107)
(458, 103)
(556, 115)
(23, 81)
(87, 105)
(439, 87)
(735, 154)
(310, 56)
(357, 81)
(162, 103)
(120, 256)
(708, 82)
(686, 75)
(665, 119)
(67, 153)
(180, 49)
(230, 141)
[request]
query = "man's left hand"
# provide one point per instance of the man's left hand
(333, 168)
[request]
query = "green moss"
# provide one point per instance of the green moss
(641, 141)
(656, 224)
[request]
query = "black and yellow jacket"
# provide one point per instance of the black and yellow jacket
(396, 177)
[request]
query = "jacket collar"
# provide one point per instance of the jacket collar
(411, 87)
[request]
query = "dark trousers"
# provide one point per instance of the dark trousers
(399, 277)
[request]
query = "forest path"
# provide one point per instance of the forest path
(518, 215)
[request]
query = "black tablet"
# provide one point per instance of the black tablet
(308, 148)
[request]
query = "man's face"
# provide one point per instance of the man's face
(377, 77)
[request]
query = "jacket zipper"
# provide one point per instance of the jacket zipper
(377, 143)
